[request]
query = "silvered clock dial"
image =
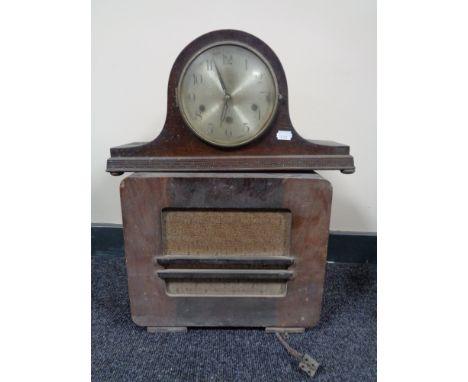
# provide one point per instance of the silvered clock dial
(228, 94)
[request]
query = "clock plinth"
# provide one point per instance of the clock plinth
(225, 220)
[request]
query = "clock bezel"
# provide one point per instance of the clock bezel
(276, 98)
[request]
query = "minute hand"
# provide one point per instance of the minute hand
(220, 79)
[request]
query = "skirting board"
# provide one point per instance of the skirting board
(343, 247)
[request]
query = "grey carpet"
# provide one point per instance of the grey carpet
(344, 342)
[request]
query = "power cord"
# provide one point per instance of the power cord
(306, 363)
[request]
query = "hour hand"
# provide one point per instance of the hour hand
(220, 78)
(223, 113)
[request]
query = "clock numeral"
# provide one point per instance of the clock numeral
(267, 95)
(259, 114)
(246, 127)
(199, 116)
(227, 59)
(211, 128)
(197, 79)
(228, 133)
(209, 65)
(259, 77)
(191, 97)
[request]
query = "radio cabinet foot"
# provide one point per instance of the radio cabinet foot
(284, 330)
(166, 329)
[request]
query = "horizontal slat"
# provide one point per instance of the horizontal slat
(240, 274)
(225, 260)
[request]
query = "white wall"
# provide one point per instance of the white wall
(328, 51)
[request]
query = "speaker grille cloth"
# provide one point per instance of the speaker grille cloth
(218, 233)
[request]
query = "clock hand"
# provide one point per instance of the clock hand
(220, 78)
(223, 113)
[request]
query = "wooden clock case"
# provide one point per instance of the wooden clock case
(177, 148)
(219, 236)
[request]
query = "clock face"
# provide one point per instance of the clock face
(228, 94)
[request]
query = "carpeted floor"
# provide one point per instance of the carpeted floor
(344, 342)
